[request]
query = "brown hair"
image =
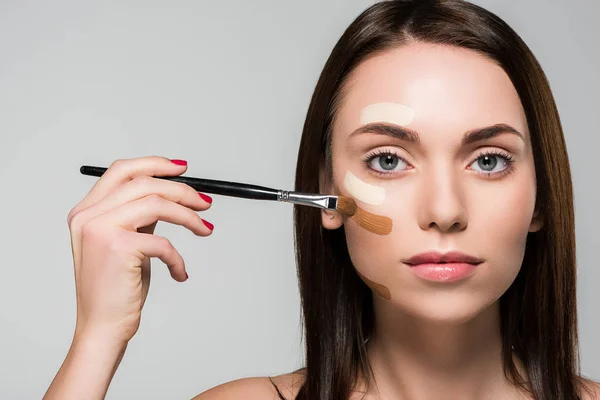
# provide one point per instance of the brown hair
(538, 312)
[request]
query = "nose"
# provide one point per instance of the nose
(441, 204)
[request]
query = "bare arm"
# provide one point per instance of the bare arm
(87, 369)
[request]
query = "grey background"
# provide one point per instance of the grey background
(225, 85)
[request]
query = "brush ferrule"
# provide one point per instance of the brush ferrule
(314, 200)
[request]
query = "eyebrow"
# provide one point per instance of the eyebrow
(409, 135)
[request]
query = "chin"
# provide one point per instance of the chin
(446, 308)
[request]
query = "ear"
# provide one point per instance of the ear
(537, 221)
(329, 219)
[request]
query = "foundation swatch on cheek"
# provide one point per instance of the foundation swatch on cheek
(374, 223)
(369, 194)
(393, 113)
(364, 192)
(376, 287)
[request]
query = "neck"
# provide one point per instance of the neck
(418, 359)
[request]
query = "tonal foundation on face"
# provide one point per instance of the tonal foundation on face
(393, 113)
(374, 195)
(368, 194)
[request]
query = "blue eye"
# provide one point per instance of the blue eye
(386, 162)
(487, 163)
(491, 164)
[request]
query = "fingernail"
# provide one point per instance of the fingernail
(208, 225)
(187, 276)
(179, 162)
(206, 198)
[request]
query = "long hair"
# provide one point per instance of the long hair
(538, 311)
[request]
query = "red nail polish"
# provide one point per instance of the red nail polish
(187, 276)
(208, 225)
(206, 198)
(179, 162)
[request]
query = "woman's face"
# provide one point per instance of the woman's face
(443, 193)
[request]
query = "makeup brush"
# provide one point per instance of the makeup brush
(341, 204)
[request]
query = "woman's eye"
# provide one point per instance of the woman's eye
(487, 163)
(386, 163)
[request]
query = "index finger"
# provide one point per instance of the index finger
(122, 171)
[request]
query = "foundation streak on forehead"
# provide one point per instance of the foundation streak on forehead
(393, 113)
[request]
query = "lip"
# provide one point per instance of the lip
(444, 272)
(434, 257)
(443, 267)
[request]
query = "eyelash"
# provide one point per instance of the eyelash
(378, 153)
(509, 160)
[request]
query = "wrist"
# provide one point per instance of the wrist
(88, 368)
(98, 339)
(98, 346)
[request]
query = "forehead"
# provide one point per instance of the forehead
(449, 89)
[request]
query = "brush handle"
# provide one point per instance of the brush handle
(224, 188)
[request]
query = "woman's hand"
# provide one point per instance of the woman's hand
(112, 238)
(112, 241)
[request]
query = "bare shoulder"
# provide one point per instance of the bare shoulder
(289, 384)
(256, 388)
(590, 390)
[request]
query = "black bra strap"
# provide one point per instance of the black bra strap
(277, 389)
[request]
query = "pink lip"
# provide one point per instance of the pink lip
(449, 272)
(447, 267)
(434, 257)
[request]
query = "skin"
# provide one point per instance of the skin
(432, 340)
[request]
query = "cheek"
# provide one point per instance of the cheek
(507, 210)
(499, 220)
(374, 256)
(366, 249)
(364, 246)
(501, 227)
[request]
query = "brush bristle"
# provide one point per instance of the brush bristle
(346, 206)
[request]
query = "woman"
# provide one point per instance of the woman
(433, 114)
